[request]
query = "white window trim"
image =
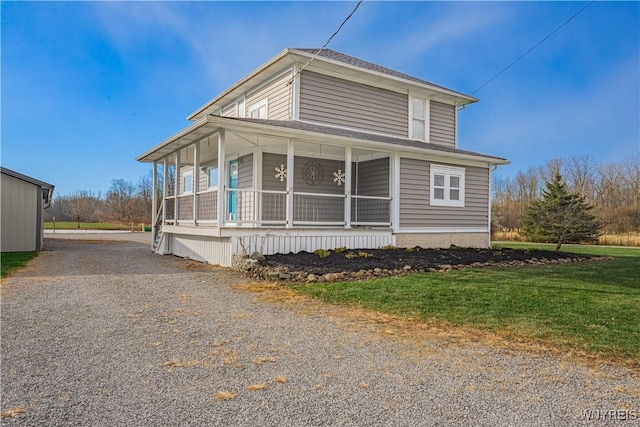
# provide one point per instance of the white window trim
(447, 171)
(259, 105)
(184, 176)
(426, 102)
(209, 169)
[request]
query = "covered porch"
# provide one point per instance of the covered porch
(244, 178)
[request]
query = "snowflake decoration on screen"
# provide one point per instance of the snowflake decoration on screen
(281, 173)
(338, 177)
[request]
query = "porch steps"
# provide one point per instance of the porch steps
(157, 241)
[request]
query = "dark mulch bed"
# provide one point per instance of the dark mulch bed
(417, 259)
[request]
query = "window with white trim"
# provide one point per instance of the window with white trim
(447, 186)
(258, 110)
(187, 182)
(419, 119)
(212, 176)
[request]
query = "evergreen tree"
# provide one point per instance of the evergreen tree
(560, 217)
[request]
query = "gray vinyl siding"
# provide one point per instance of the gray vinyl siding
(306, 208)
(203, 179)
(330, 100)
(269, 164)
(415, 211)
(327, 186)
(273, 205)
(277, 93)
(372, 178)
(442, 124)
(230, 111)
(245, 171)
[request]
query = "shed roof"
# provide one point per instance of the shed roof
(48, 193)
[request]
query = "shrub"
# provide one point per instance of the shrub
(322, 253)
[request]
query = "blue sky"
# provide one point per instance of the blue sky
(87, 86)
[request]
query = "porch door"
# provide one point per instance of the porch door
(233, 185)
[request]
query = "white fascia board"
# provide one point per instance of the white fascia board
(184, 132)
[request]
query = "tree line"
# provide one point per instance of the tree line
(125, 202)
(612, 189)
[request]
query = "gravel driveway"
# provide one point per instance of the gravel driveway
(103, 333)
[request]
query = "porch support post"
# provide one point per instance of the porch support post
(290, 176)
(165, 188)
(176, 190)
(395, 192)
(154, 202)
(347, 187)
(221, 179)
(196, 180)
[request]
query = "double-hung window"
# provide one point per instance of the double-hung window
(447, 186)
(419, 119)
(258, 110)
(187, 182)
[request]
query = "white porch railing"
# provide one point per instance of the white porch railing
(169, 208)
(249, 207)
(256, 207)
(371, 211)
(207, 206)
(318, 209)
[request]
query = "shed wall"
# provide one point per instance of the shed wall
(19, 223)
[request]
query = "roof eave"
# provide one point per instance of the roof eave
(287, 132)
(144, 157)
(239, 83)
(466, 99)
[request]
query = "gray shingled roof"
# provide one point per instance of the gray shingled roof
(347, 133)
(341, 57)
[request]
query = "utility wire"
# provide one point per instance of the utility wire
(535, 46)
(328, 41)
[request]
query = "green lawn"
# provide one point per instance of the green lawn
(13, 260)
(71, 225)
(590, 306)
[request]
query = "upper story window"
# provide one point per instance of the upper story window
(258, 110)
(419, 119)
(447, 186)
(187, 182)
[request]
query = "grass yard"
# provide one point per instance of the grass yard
(592, 307)
(72, 225)
(10, 261)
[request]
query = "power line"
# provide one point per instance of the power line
(328, 41)
(535, 46)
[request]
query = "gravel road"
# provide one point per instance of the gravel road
(97, 331)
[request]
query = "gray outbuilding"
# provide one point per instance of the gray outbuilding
(21, 213)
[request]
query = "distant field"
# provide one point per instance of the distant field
(70, 225)
(620, 239)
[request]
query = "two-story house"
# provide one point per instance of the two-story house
(301, 155)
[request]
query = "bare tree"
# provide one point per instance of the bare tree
(121, 199)
(79, 205)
